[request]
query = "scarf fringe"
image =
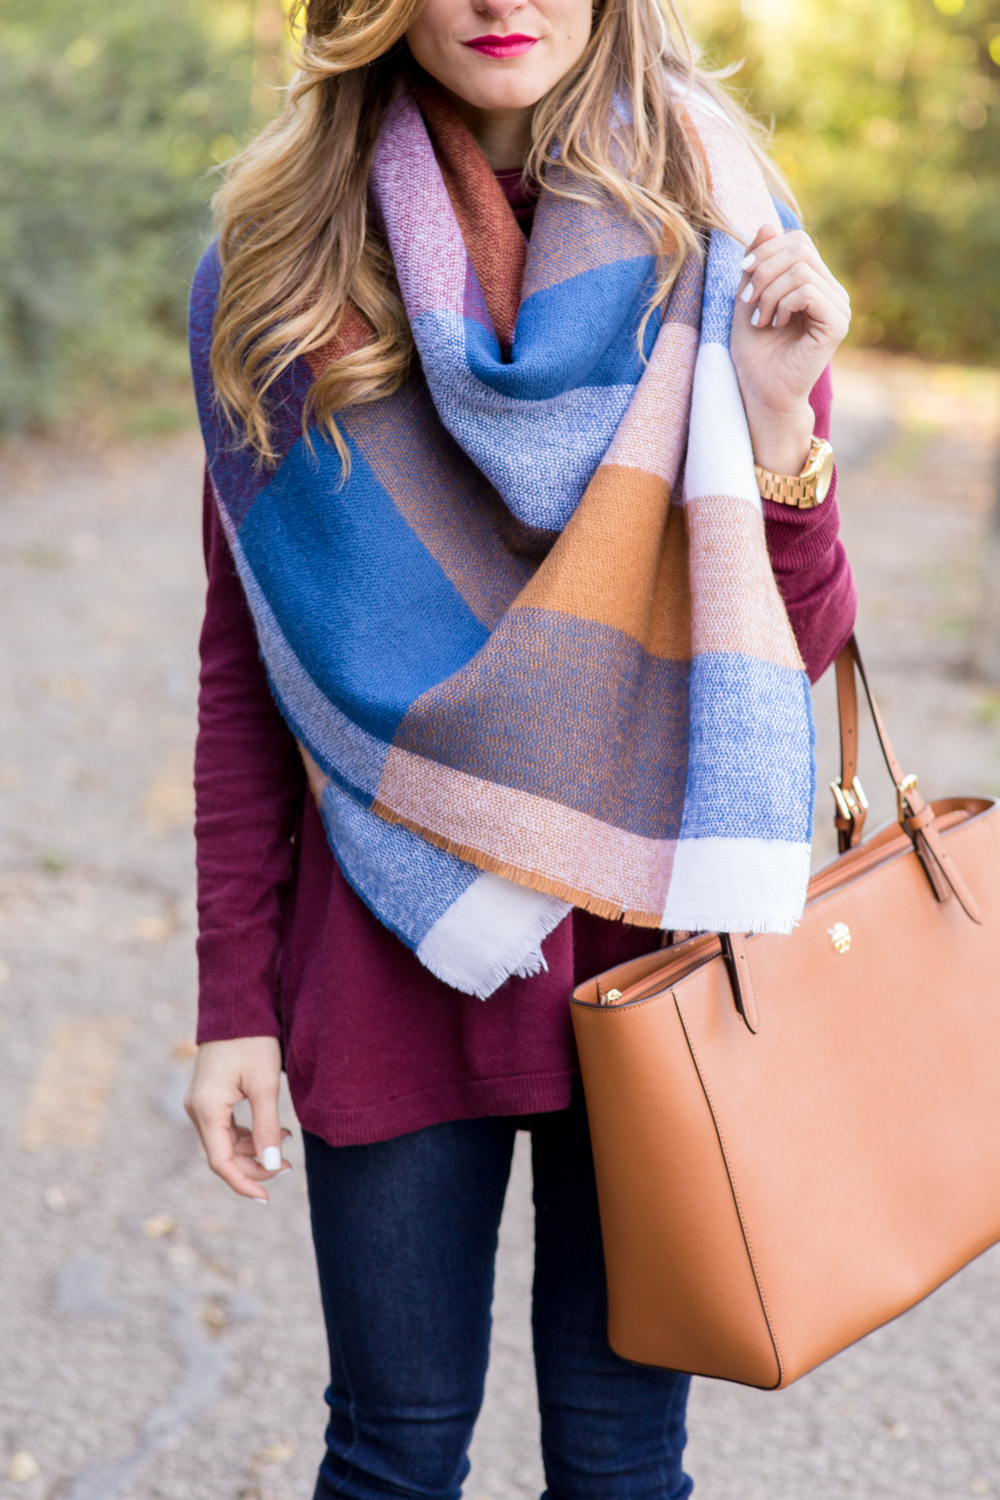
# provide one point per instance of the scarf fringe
(585, 900)
(758, 923)
(476, 948)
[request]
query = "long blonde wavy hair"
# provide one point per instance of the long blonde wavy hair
(297, 242)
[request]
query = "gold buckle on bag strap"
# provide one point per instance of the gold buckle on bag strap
(852, 807)
(908, 784)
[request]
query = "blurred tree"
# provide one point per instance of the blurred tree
(110, 118)
(270, 69)
(887, 121)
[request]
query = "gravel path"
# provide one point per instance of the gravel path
(160, 1337)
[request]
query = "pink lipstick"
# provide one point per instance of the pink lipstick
(502, 46)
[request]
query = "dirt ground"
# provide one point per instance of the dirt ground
(162, 1338)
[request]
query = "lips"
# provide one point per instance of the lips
(502, 46)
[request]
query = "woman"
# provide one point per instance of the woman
(469, 306)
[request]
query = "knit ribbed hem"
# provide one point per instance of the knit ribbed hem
(527, 1094)
(232, 1025)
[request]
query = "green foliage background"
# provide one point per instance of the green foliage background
(111, 116)
(887, 120)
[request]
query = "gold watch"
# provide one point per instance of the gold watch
(805, 490)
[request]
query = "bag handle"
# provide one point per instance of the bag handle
(916, 818)
(850, 800)
(734, 955)
(851, 804)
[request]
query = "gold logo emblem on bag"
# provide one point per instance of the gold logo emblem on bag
(840, 936)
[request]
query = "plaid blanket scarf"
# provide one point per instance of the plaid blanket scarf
(529, 668)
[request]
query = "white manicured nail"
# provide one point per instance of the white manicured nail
(756, 317)
(751, 260)
(262, 1201)
(747, 292)
(774, 321)
(271, 1158)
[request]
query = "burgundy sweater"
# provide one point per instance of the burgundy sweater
(375, 1046)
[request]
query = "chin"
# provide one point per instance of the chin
(508, 92)
(510, 99)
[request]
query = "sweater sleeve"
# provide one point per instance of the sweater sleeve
(249, 787)
(810, 564)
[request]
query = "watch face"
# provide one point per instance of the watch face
(824, 478)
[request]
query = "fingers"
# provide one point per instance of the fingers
(790, 258)
(773, 280)
(225, 1072)
(248, 1157)
(828, 320)
(788, 291)
(779, 265)
(261, 1091)
(214, 1124)
(245, 1145)
(799, 290)
(765, 232)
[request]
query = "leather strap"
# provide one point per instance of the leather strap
(849, 817)
(735, 954)
(847, 703)
(934, 856)
(915, 817)
(914, 814)
(853, 654)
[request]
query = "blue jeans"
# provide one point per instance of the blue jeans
(406, 1235)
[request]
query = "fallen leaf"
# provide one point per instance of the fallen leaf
(22, 1467)
(152, 929)
(160, 1224)
(73, 1083)
(184, 1048)
(277, 1453)
(214, 1317)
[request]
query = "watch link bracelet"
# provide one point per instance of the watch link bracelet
(805, 490)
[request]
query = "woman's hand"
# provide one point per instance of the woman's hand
(791, 314)
(225, 1072)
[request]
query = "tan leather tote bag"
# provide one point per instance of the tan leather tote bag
(797, 1138)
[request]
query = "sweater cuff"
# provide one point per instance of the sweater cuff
(237, 996)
